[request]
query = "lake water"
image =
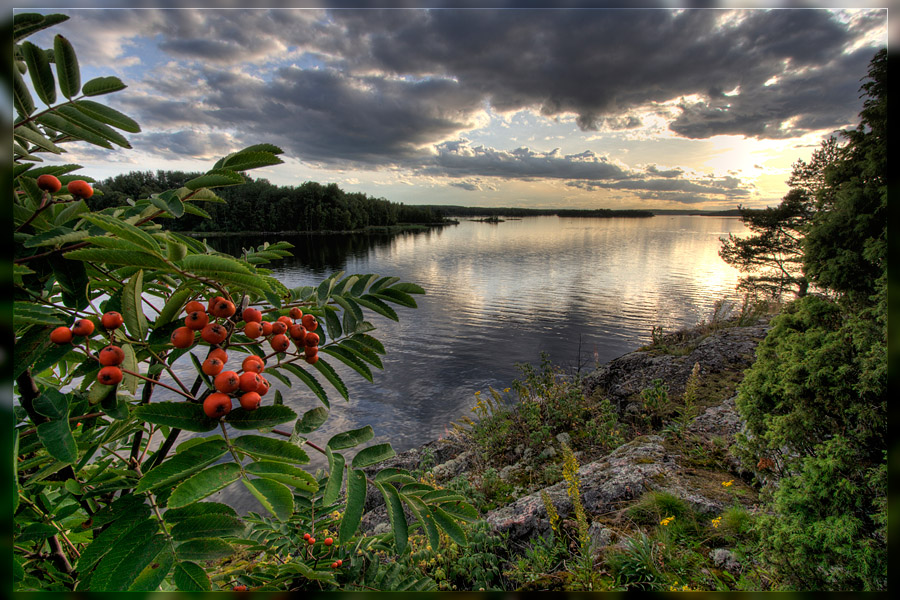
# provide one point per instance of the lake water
(582, 290)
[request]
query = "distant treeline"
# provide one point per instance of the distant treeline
(476, 211)
(259, 205)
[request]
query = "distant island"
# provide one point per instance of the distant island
(480, 211)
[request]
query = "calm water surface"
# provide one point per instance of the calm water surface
(501, 294)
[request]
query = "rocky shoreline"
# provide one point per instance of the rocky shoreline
(647, 462)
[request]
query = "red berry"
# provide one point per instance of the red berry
(222, 307)
(83, 327)
(253, 363)
(227, 381)
(111, 320)
(197, 320)
(310, 322)
(61, 335)
(249, 381)
(253, 330)
(296, 313)
(329, 541)
(80, 188)
(183, 337)
(217, 405)
(251, 315)
(278, 327)
(218, 353)
(212, 366)
(194, 306)
(297, 332)
(311, 339)
(49, 183)
(111, 356)
(214, 333)
(306, 536)
(109, 375)
(250, 401)
(267, 328)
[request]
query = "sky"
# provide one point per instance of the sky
(546, 108)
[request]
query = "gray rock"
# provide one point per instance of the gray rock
(453, 467)
(601, 536)
(725, 559)
(548, 452)
(564, 438)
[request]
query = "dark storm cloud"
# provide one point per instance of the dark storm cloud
(190, 143)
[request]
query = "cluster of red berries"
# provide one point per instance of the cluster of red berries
(328, 542)
(248, 385)
(109, 357)
(77, 187)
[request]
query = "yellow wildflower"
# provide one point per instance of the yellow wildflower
(665, 522)
(478, 393)
(716, 522)
(505, 390)
(728, 483)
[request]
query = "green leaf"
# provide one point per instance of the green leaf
(265, 447)
(397, 297)
(356, 499)
(204, 483)
(173, 306)
(21, 96)
(409, 288)
(118, 257)
(333, 323)
(275, 497)
(52, 404)
(188, 416)
(329, 373)
(57, 439)
(182, 464)
(124, 230)
(25, 312)
(29, 135)
(132, 306)
(107, 115)
(41, 74)
(360, 286)
(372, 455)
(349, 439)
(204, 549)
(264, 416)
(312, 420)
(138, 537)
(362, 351)
(75, 116)
(130, 569)
(324, 290)
(155, 573)
(109, 537)
(209, 262)
(176, 515)
(310, 381)
(58, 123)
(66, 67)
(396, 515)
(447, 523)
(56, 237)
(102, 85)
(392, 474)
(283, 473)
(244, 160)
(169, 202)
(72, 279)
(335, 476)
(349, 359)
(461, 510)
(349, 306)
(130, 363)
(26, 24)
(376, 304)
(191, 577)
(215, 178)
(207, 526)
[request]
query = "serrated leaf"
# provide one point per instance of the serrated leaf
(335, 476)
(25, 312)
(64, 126)
(392, 474)
(132, 306)
(128, 571)
(352, 438)
(331, 375)
(118, 257)
(397, 297)
(130, 363)
(58, 440)
(124, 230)
(204, 483)
(244, 160)
(215, 178)
(396, 516)
(207, 526)
(349, 306)
(107, 115)
(56, 237)
(363, 352)
(372, 455)
(176, 515)
(270, 448)
(182, 464)
(283, 473)
(209, 262)
(169, 202)
(264, 416)
(356, 499)
(29, 135)
(383, 283)
(333, 324)
(360, 286)
(191, 577)
(73, 115)
(378, 305)
(274, 496)
(310, 381)
(449, 525)
(155, 573)
(409, 288)
(72, 279)
(173, 306)
(204, 549)
(41, 74)
(188, 416)
(312, 420)
(102, 85)
(26, 24)
(349, 359)
(67, 71)
(138, 536)
(21, 96)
